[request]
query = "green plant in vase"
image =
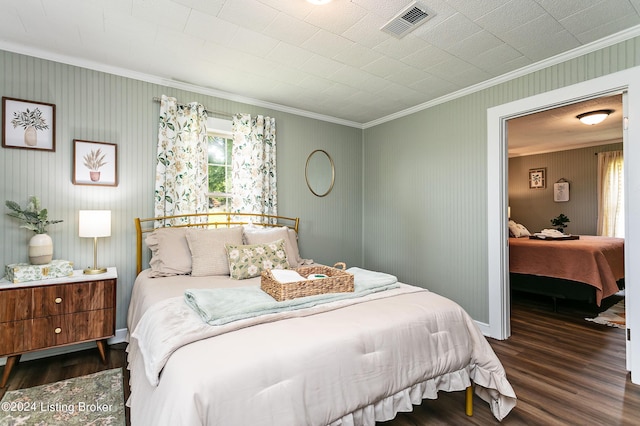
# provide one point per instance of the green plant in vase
(560, 222)
(35, 219)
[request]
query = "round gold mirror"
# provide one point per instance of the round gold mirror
(320, 173)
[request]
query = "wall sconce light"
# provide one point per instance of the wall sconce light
(594, 117)
(94, 224)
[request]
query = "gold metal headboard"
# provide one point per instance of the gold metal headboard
(207, 220)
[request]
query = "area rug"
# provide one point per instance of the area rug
(96, 399)
(613, 317)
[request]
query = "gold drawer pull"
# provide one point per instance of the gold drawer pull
(58, 330)
(58, 300)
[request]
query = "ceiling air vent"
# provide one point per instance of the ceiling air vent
(410, 18)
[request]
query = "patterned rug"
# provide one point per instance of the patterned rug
(96, 399)
(613, 317)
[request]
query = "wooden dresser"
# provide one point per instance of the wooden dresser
(44, 314)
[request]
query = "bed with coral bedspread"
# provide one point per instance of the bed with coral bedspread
(595, 261)
(349, 361)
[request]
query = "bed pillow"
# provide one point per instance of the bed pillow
(170, 254)
(518, 230)
(248, 261)
(255, 235)
(208, 254)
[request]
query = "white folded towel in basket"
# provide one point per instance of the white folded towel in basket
(286, 275)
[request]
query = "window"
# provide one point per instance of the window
(219, 168)
(611, 194)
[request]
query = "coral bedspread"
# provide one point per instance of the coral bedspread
(597, 261)
(354, 364)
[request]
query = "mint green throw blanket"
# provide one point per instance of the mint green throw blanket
(220, 306)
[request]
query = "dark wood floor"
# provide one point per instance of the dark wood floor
(565, 371)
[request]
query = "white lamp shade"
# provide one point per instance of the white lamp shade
(94, 223)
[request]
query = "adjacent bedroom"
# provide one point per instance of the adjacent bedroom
(566, 208)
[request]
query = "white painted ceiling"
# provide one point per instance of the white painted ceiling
(329, 60)
(559, 129)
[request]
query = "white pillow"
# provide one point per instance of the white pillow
(208, 251)
(256, 235)
(518, 230)
(170, 254)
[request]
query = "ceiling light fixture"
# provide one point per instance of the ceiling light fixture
(594, 117)
(319, 2)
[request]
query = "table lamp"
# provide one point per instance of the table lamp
(94, 224)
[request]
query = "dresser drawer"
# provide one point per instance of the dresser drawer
(12, 337)
(72, 328)
(15, 304)
(69, 298)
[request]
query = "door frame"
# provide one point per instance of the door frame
(497, 196)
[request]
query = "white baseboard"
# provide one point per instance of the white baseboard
(121, 336)
(484, 328)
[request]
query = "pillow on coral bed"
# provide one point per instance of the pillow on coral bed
(518, 230)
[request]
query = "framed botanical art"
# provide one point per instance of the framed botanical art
(28, 124)
(537, 179)
(95, 163)
(561, 191)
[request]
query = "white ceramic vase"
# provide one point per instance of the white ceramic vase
(40, 249)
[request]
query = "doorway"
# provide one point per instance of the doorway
(497, 160)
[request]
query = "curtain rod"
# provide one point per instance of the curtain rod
(209, 111)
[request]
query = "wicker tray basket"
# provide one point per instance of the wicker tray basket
(337, 281)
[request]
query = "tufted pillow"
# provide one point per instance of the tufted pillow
(208, 254)
(247, 261)
(170, 254)
(255, 235)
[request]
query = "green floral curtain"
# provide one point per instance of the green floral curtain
(181, 170)
(254, 183)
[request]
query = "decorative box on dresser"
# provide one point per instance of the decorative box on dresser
(44, 314)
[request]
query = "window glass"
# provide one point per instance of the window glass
(219, 168)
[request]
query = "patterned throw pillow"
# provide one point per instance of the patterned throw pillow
(250, 260)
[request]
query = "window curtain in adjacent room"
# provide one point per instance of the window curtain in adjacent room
(181, 170)
(611, 194)
(254, 182)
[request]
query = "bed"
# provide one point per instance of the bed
(349, 361)
(588, 268)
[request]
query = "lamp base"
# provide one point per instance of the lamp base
(94, 271)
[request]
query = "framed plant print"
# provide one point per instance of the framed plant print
(537, 179)
(561, 191)
(28, 124)
(95, 163)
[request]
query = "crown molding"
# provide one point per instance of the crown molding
(554, 60)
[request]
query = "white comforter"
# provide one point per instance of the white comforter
(355, 364)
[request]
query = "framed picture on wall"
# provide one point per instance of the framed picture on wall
(28, 124)
(537, 178)
(561, 191)
(95, 163)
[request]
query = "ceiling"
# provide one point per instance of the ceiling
(558, 129)
(331, 60)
